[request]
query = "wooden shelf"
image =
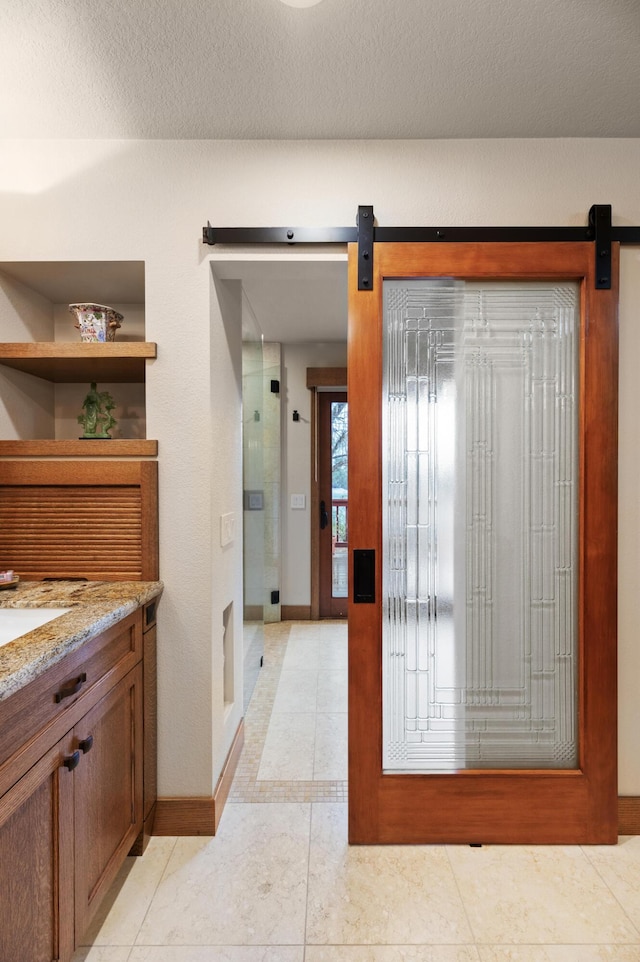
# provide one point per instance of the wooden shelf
(121, 448)
(71, 362)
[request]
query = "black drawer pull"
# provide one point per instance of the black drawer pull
(72, 688)
(86, 744)
(71, 761)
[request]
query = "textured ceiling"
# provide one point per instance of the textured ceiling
(257, 69)
(341, 69)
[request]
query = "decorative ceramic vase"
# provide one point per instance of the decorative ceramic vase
(96, 322)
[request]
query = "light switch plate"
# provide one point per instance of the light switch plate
(227, 528)
(298, 501)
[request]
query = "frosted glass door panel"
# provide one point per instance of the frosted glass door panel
(480, 525)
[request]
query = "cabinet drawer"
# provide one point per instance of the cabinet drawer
(35, 717)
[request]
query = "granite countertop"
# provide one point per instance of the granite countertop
(95, 606)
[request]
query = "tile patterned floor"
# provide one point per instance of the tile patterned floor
(280, 884)
(302, 689)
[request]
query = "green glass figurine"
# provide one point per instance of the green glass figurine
(97, 419)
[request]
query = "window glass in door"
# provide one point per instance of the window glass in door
(333, 451)
(339, 498)
(480, 525)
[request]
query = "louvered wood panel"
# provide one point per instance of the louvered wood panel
(88, 532)
(79, 520)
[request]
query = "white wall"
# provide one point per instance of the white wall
(27, 408)
(149, 200)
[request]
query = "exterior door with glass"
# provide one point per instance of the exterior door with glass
(333, 521)
(483, 486)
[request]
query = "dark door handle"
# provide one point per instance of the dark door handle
(364, 576)
(72, 761)
(324, 517)
(86, 744)
(72, 688)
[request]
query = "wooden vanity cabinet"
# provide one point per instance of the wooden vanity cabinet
(71, 817)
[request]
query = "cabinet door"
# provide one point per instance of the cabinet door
(108, 792)
(36, 862)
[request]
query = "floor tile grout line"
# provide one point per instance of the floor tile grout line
(155, 891)
(462, 901)
(315, 733)
(613, 894)
(306, 901)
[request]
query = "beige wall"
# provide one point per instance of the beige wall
(148, 201)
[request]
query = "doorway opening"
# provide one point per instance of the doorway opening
(329, 492)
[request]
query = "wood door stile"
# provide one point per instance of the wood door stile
(86, 519)
(364, 381)
(563, 806)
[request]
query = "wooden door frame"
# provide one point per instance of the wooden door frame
(544, 801)
(318, 378)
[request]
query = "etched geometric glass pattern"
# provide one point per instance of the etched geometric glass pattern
(480, 525)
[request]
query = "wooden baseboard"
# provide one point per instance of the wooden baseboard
(295, 612)
(199, 816)
(185, 816)
(629, 815)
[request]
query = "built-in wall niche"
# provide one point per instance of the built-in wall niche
(46, 370)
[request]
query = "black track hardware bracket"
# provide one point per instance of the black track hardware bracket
(278, 235)
(365, 248)
(366, 234)
(600, 223)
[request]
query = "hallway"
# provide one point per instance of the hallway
(280, 884)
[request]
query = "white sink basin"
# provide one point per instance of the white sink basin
(15, 622)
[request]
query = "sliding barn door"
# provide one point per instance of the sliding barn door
(482, 532)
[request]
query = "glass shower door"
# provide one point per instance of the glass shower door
(253, 528)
